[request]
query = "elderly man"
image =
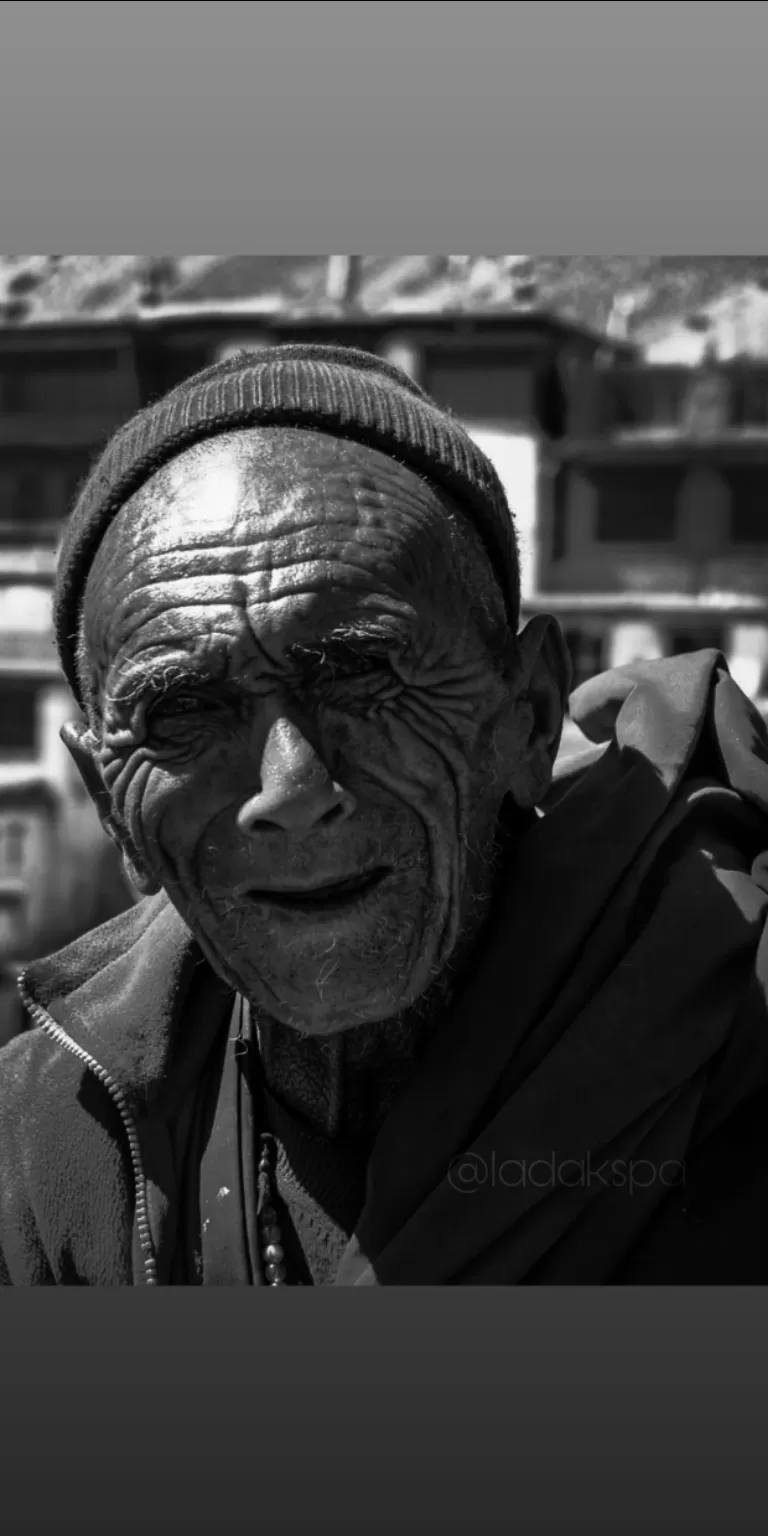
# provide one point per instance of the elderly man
(395, 1007)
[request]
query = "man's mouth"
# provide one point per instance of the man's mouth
(333, 897)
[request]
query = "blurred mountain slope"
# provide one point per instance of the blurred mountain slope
(673, 306)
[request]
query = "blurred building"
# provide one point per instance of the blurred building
(655, 540)
(63, 390)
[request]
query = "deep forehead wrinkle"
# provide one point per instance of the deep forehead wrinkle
(231, 490)
(249, 520)
(308, 598)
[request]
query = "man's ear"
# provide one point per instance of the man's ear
(543, 686)
(80, 743)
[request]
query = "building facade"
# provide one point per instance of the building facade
(655, 540)
(63, 391)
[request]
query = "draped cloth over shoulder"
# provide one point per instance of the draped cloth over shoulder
(618, 1013)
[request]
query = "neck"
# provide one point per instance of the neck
(342, 1085)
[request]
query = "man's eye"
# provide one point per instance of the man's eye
(354, 669)
(183, 704)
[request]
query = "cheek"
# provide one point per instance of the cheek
(439, 765)
(161, 807)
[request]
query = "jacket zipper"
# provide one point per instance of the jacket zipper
(54, 1030)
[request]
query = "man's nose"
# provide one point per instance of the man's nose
(297, 793)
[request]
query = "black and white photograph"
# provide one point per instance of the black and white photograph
(383, 771)
(383, 768)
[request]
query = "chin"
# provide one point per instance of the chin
(321, 979)
(331, 1016)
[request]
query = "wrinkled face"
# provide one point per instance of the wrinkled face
(304, 739)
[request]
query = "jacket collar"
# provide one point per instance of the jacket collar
(138, 995)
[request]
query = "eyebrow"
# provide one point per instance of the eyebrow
(365, 638)
(158, 678)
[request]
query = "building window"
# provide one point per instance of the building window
(25, 508)
(28, 497)
(18, 720)
(57, 385)
(23, 494)
(586, 651)
(681, 641)
(749, 504)
(14, 835)
(481, 387)
(559, 513)
(35, 496)
(749, 399)
(73, 477)
(636, 506)
(644, 399)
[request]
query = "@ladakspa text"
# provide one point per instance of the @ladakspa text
(470, 1173)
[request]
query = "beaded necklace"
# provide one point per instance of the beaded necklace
(270, 1236)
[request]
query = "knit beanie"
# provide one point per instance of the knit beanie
(334, 390)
